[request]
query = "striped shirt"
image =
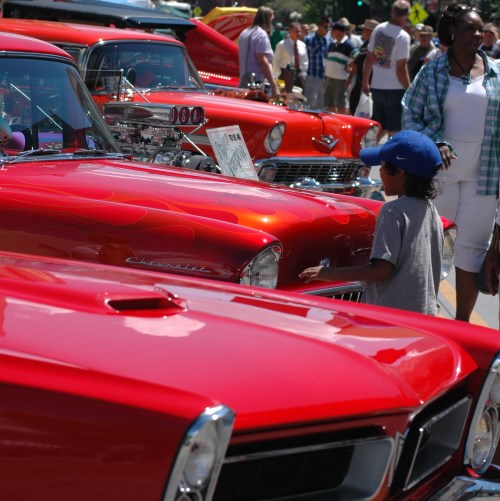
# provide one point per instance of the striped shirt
(423, 105)
(316, 51)
(339, 55)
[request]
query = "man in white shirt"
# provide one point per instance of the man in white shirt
(290, 60)
(386, 62)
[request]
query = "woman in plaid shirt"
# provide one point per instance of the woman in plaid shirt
(455, 100)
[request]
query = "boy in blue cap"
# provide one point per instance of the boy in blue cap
(405, 262)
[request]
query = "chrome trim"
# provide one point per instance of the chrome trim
(341, 289)
(484, 402)
(467, 489)
(303, 160)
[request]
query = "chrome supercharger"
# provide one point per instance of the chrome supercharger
(154, 133)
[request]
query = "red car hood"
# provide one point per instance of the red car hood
(274, 359)
(337, 227)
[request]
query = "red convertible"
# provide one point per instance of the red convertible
(318, 150)
(122, 385)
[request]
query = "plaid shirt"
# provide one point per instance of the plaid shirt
(423, 105)
(316, 51)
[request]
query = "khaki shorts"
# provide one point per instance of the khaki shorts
(335, 95)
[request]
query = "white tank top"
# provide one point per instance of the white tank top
(465, 110)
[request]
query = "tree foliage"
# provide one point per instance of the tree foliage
(312, 10)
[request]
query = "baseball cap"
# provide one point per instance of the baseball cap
(411, 151)
(338, 25)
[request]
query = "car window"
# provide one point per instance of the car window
(143, 65)
(47, 102)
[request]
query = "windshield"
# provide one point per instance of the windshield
(145, 65)
(48, 103)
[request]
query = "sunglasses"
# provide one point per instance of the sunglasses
(488, 31)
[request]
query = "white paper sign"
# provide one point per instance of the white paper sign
(231, 152)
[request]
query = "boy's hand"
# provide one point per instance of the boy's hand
(311, 274)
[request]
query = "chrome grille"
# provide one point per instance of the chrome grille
(324, 173)
(352, 292)
(330, 470)
(432, 439)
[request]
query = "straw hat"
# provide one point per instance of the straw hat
(369, 24)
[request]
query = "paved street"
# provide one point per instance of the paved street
(485, 312)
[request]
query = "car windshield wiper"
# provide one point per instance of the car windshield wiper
(38, 153)
(94, 153)
(53, 151)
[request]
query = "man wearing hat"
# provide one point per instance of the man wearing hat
(356, 68)
(339, 55)
(419, 51)
(355, 39)
(404, 270)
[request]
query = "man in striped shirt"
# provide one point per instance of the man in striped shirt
(340, 53)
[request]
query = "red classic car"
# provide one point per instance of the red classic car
(128, 385)
(318, 150)
(68, 192)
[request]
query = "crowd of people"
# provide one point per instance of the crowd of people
(436, 93)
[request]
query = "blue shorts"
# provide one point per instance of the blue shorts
(387, 108)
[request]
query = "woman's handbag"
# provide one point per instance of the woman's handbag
(365, 106)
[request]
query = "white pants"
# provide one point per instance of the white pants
(473, 214)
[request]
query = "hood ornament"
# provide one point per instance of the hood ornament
(327, 142)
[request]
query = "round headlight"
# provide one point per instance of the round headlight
(274, 138)
(448, 251)
(370, 137)
(263, 270)
(201, 458)
(483, 446)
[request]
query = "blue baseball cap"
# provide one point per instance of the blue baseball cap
(411, 151)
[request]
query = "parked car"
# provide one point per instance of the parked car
(128, 385)
(316, 150)
(67, 191)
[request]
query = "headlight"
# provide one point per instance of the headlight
(483, 440)
(263, 270)
(200, 456)
(274, 138)
(484, 429)
(448, 251)
(370, 137)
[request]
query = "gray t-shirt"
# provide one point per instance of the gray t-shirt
(408, 234)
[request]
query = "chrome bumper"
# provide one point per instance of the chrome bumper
(468, 489)
(328, 174)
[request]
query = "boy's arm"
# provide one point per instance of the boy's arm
(377, 270)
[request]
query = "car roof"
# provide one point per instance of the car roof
(13, 42)
(84, 34)
(101, 12)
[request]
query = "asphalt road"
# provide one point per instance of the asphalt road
(485, 313)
